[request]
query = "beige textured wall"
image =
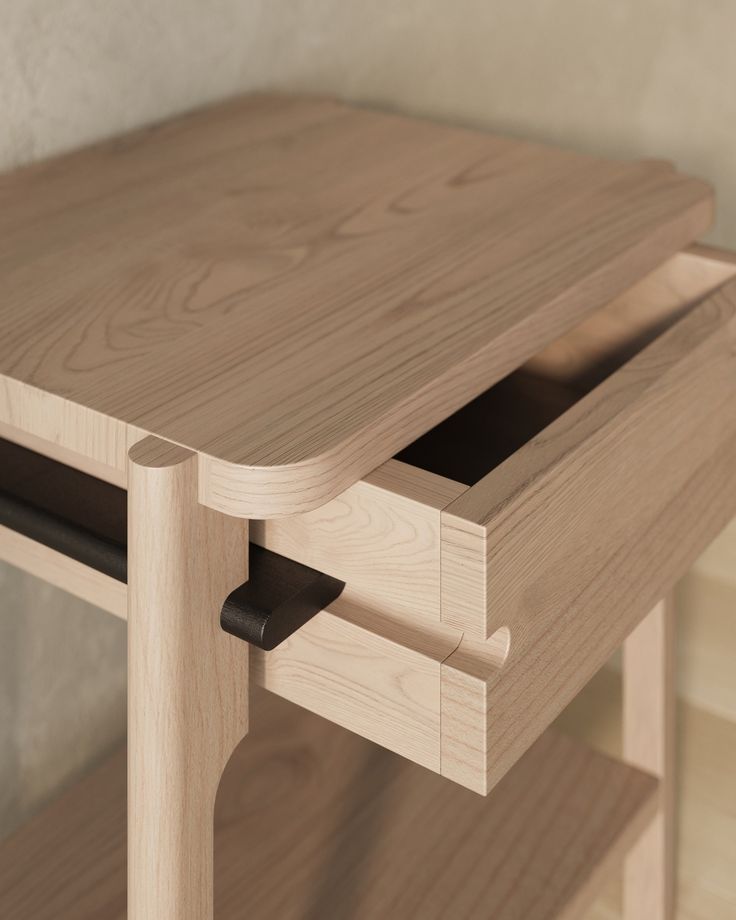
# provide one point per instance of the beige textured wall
(62, 690)
(633, 77)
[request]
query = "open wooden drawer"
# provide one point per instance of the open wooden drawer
(494, 565)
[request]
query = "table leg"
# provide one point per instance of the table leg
(187, 681)
(649, 735)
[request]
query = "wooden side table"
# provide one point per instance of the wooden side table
(434, 420)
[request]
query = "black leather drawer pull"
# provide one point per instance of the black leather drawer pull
(279, 597)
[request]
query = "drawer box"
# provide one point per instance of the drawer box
(382, 535)
(494, 565)
(561, 530)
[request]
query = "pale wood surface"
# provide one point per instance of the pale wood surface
(66, 573)
(381, 537)
(621, 328)
(313, 822)
(371, 662)
(706, 600)
(649, 696)
(580, 356)
(706, 839)
(376, 676)
(371, 674)
(574, 538)
(417, 692)
(187, 681)
(705, 595)
(468, 690)
(604, 449)
(74, 459)
(295, 289)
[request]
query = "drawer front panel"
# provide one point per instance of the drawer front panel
(381, 537)
(471, 616)
(541, 524)
(371, 675)
(570, 542)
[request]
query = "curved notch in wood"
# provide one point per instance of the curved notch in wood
(468, 677)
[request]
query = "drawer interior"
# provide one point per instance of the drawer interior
(488, 430)
(480, 435)
(476, 438)
(385, 538)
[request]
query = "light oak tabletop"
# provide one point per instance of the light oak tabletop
(295, 288)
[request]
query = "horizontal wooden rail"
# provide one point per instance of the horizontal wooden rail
(65, 536)
(280, 596)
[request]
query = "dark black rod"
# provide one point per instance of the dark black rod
(279, 597)
(73, 540)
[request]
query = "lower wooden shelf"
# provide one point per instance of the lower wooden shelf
(314, 822)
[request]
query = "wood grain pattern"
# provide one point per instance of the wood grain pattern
(706, 797)
(375, 666)
(649, 698)
(72, 429)
(576, 537)
(295, 289)
(468, 677)
(313, 822)
(381, 537)
(66, 573)
(187, 681)
(375, 676)
(375, 672)
(460, 711)
(616, 332)
(625, 448)
(71, 458)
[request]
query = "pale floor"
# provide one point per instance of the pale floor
(707, 799)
